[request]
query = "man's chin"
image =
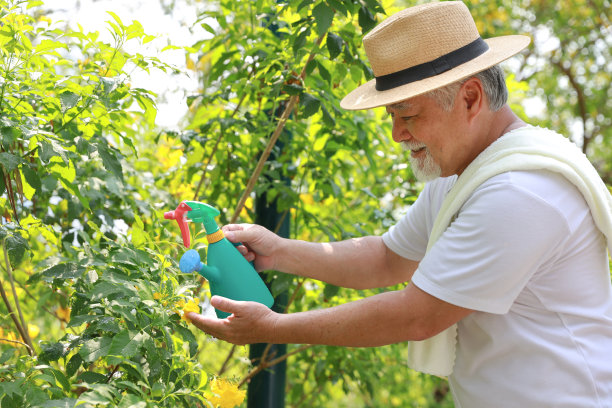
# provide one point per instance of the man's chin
(425, 172)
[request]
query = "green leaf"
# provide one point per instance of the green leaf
(49, 149)
(366, 19)
(60, 403)
(11, 388)
(323, 17)
(74, 188)
(2, 182)
(324, 73)
(51, 352)
(69, 100)
(102, 394)
(310, 105)
(148, 105)
(126, 344)
(188, 336)
(94, 349)
(300, 40)
(334, 45)
(9, 161)
(64, 271)
(105, 289)
(292, 89)
(47, 45)
(76, 321)
(330, 291)
(73, 364)
(6, 355)
(31, 177)
(90, 377)
(116, 18)
(8, 135)
(61, 378)
(110, 160)
(16, 246)
(109, 84)
(327, 118)
(132, 401)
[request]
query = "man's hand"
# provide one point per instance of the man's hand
(259, 245)
(250, 322)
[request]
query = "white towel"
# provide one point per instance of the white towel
(526, 148)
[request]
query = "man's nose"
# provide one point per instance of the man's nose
(399, 132)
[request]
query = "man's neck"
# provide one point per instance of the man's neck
(504, 121)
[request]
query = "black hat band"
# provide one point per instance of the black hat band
(435, 67)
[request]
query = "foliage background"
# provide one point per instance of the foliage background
(89, 276)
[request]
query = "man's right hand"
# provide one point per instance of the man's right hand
(259, 245)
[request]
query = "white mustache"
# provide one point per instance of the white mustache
(412, 145)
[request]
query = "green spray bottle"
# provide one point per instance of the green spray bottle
(227, 271)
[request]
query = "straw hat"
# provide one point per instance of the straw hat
(423, 48)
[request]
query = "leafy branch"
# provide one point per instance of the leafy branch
(293, 100)
(18, 319)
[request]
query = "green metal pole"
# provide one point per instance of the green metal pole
(267, 388)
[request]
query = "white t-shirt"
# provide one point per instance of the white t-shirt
(524, 253)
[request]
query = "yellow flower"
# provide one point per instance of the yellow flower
(33, 330)
(157, 296)
(7, 336)
(225, 394)
(182, 308)
(63, 314)
(168, 156)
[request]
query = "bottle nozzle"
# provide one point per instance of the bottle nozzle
(205, 214)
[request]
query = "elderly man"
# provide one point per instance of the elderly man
(504, 251)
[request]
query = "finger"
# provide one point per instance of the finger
(206, 324)
(237, 233)
(232, 227)
(224, 304)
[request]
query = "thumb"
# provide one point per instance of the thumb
(224, 304)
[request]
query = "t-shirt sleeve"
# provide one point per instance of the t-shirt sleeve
(408, 238)
(500, 237)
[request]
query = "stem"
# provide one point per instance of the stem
(227, 360)
(13, 316)
(265, 364)
(27, 338)
(294, 294)
(11, 195)
(18, 342)
(264, 157)
(6, 72)
(110, 376)
(279, 128)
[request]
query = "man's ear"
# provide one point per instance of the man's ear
(473, 96)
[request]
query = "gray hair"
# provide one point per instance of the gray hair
(493, 83)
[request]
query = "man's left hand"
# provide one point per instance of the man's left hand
(249, 322)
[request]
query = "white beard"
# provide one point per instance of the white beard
(424, 168)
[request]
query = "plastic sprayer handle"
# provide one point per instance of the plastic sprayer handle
(180, 215)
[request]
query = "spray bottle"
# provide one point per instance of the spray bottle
(230, 275)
